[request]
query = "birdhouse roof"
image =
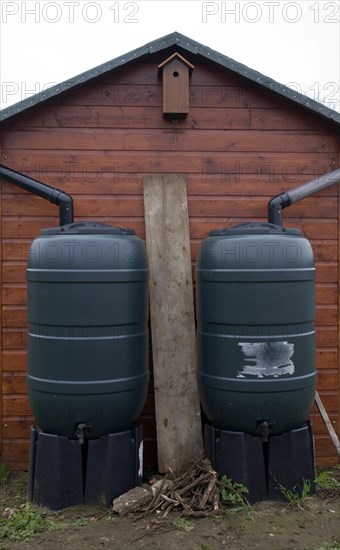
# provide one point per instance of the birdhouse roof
(179, 57)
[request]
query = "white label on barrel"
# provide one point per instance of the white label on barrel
(140, 456)
(267, 359)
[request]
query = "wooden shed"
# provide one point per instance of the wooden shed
(239, 138)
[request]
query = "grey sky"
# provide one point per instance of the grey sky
(45, 42)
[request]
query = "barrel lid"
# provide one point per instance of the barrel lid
(87, 228)
(255, 228)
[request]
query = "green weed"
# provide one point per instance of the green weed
(233, 493)
(80, 522)
(4, 473)
(184, 524)
(24, 524)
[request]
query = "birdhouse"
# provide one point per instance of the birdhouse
(176, 71)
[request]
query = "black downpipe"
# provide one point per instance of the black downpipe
(60, 198)
(279, 202)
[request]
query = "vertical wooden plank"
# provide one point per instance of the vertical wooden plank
(178, 420)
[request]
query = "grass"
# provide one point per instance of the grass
(325, 481)
(298, 495)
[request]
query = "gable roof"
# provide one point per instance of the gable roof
(186, 44)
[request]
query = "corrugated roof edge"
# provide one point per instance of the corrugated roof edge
(189, 45)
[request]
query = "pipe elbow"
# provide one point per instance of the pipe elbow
(275, 207)
(65, 203)
(63, 199)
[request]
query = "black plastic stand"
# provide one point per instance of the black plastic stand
(285, 460)
(67, 472)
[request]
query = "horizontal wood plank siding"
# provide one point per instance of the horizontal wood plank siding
(127, 163)
(168, 140)
(137, 117)
(238, 147)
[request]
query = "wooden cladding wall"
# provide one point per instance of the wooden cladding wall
(239, 146)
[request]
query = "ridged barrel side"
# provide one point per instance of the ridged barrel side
(87, 329)
(255, 328)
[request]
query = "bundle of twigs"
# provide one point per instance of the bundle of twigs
(194, 493)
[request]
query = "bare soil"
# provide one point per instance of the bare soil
(272, 525)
